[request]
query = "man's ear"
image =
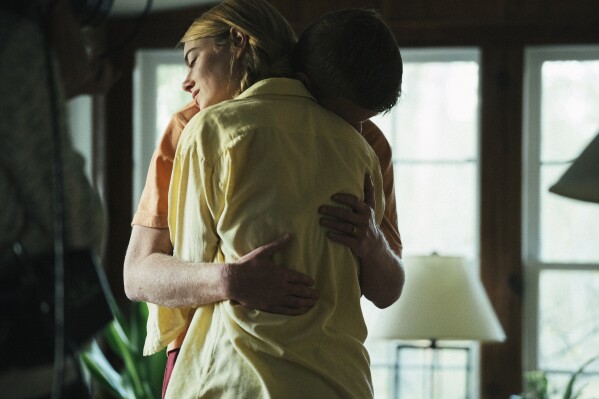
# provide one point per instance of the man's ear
(240, 42)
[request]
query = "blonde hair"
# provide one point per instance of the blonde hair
(270, 38)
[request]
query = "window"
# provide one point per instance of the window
(159, 75)
(79, 113)
(562, 235)
(433, 132)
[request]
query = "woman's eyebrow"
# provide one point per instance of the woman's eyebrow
(187, 53)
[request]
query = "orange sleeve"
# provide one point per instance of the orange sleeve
(381, 147)
(152, 210)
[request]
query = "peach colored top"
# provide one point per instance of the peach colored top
(152, 210)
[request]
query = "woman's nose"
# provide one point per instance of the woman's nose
(187, 85)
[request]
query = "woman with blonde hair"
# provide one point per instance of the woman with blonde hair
(256, 40)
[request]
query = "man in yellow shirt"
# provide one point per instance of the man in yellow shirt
(241, 183)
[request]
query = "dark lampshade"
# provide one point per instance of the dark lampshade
(581, 179)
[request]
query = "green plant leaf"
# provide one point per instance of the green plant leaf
(103, 373)
(116, 338)
(150, 368)
(536, 384)
(139, 317)
(140, 377)
(572, 381)
(155, 366)
(128, 356)
(579, 392)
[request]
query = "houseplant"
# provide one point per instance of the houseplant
(127, 374)
(536, 385)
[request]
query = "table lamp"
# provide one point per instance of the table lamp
(443, 299)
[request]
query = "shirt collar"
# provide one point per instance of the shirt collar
(277, 86)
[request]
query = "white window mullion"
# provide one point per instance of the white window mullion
(531, 205)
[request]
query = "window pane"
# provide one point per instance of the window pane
(570, 100)
(568, 318)
(570, 228)
(170, 97)
(432, 373)
(79, 112)
(433, 132)
(436, 118)
(382, 357)
(437, 208)
(564, 312)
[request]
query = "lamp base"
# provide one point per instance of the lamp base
(432, 371)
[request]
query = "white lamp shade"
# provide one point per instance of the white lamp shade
(581, 179)
(442, 300)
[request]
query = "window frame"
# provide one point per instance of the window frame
(145, 92)
(446, 55)
(534, 57)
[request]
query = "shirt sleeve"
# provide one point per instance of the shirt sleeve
(381, 147)
(152, 210)
(194, 198)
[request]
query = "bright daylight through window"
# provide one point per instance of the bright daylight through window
(562, 251)
(433, 132)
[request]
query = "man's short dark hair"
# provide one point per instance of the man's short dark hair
(351, 54)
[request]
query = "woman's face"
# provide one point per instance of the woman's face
(208, 79)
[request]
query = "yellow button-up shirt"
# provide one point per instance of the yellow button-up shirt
(245, 172)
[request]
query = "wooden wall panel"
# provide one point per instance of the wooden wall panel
(117, 175)
(301, 13)
(444, 10)
(500, 218)
(159, 30)
(438, 33)
(552, 10)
